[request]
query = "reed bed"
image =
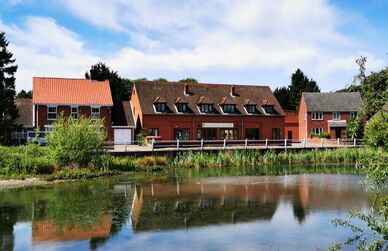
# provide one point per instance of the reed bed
(253, 158)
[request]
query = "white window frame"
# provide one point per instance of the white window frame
(159, 104)
(317, 130)
(353, 114)
(233, 108)
(186, 110)
(207, 110)
(251, 106)
(48, 112)
(336, 116)
(74, 113)
(92, 114)
(318, 116)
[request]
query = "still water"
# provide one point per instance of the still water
(216, 209)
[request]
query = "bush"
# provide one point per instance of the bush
(73, 141)
(355, 128)
(141, 139)
(324, 135)
(376, 132)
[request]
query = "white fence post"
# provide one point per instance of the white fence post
(224, 143)
(338, 142)
(201, 144)
(152, 144)
(321, 142)
(125, 145)
(266, 143)
(177, 144)
(285, 143)
(246, 143)
(304, 142)
(354, 142)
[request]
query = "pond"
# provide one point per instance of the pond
(266, 208)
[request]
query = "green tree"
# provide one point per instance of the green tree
(376, 130)
(371, 230)
(374, 92)
(355, 127)
(289, 97)
(188, 80)
(73, 141)
(355, 86)
(282, 94)
(120, 88)
(300, 83)
(161, 80)
(24, 94)
(8, 68)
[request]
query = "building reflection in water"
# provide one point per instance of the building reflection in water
(213, 201)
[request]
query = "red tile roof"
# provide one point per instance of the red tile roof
(66, 91)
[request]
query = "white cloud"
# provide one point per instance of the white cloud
(44, 48)
(211, 38)
(228, 35)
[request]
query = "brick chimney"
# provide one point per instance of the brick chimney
(186, 90)
(233, 91)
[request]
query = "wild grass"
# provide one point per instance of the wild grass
(252, 158)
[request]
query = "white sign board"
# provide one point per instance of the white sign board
(217, 125)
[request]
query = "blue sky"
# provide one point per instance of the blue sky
(215, 41)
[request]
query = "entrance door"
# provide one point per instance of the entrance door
(338, 132)
(289, 134)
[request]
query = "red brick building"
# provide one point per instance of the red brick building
(327, 112)
(291, 125)
(206, 111)
(71, 97)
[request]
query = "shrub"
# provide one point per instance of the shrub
(73, 141)
(376, 132)
(101, 161)
(141, 138)
(355, 128)
(324, 135)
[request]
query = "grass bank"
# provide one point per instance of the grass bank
(33, 161)
(254, 158)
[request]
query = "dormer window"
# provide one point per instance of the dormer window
(229, 108)
(160, 107)
(268, 109)
(251, 109)
(206, 108)
(182, 107)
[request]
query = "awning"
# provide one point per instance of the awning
(337, 123)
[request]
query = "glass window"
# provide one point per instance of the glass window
(317, 130)
(269, 109)
(353, 114)
(182, 108)
(275, 133)
(206, 108)
(153, 132)
(74, 112)
(182, 134)
(252, 133)
(251, 109)
(51, 112)
(160, 107)
(207, 133)
(317, 116)
(95, 114)
(229, 133)
(336, 116)
(229, 108)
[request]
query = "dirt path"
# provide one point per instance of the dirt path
(7, 184)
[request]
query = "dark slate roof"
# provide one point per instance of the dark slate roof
(24, 106)
(332, 101)
(202, 93)
(122, 114)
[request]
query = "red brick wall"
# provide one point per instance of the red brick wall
(302, 120)
(167, 123)
(85, 111)
(291, 123)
